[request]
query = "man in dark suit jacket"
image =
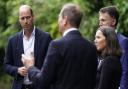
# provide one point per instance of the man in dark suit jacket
(108, 16)
(30, 39)
(71, 61)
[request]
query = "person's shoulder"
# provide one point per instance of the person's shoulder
(122, 36)
(112, 57)
(111, 60)
(112, 64)
(89, 44)
(41, 32)
(59, 42)
(55, 44)
(15, 36)
(124, 39)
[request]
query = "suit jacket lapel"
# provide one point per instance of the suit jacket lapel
(36, 44)
(19, 47)
(20, 39)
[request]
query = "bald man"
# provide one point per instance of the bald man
(29, 42)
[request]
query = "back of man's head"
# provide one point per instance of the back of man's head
(112, 11)
(73, 13)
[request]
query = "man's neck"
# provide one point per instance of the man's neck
(28, 33)
(68, 30)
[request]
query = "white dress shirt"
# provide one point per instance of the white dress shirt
(28, 44)
(69, 30)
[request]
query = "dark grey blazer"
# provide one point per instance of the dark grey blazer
(15, 49)
(70, 63)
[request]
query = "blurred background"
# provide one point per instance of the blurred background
(46, 16)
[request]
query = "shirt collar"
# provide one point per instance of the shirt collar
(33, 33)
(69, 30)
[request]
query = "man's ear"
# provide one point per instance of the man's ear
(114, 22)
(65, 20)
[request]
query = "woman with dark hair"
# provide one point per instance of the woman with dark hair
(109, 53)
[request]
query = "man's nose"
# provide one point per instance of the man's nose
(25, 20)
(100, 23)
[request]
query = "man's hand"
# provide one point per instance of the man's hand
(22, 71)
(27, 61)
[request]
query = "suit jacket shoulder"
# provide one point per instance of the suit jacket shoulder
(112, 62)
(110, 73)
(42, 33)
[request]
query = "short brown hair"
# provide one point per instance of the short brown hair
(73, 13)
(112, 11)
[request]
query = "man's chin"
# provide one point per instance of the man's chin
(26, 28)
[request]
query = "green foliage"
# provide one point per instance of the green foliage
(46, 17)
(123, 21)
(5, 82)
